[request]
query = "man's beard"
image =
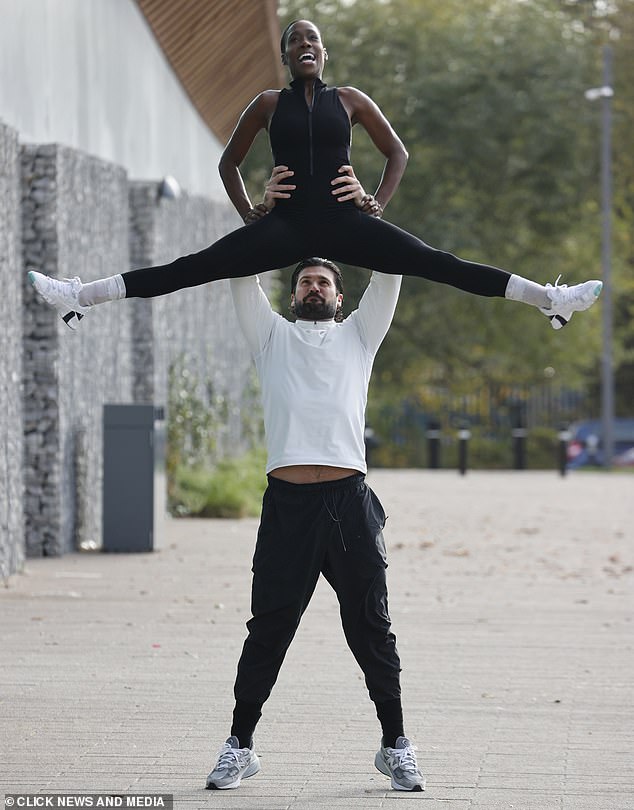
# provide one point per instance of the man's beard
(315, 309)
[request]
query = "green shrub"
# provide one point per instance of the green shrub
(232, 489)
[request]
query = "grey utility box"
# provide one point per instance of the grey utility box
(133, 477)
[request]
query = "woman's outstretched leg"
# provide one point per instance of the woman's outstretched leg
(379, 245)
(264, 245)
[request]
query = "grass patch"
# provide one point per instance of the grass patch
(232, 489)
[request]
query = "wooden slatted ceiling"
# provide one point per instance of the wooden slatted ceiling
(224, 52)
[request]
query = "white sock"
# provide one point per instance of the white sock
(105, 289)
(528, 292)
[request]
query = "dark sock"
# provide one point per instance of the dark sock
(390, 716)
(245, 719)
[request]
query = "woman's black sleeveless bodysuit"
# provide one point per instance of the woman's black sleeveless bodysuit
(313, 141)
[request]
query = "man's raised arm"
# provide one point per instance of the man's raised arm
(376, 309)
(253, 308)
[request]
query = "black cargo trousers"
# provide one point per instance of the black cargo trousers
(333, 528)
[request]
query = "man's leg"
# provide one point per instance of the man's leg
(286, 566)
(355, 566)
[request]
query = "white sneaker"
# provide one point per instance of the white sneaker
(233, 765)
(565, 300)
(63, 295)
(400, 764)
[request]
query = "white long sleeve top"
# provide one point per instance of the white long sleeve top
(314, 375)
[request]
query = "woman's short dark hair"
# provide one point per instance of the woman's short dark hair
(315, 261)
(285, 33)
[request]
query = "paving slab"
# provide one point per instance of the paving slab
(512, 597)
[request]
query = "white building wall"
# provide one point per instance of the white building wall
(90, 74)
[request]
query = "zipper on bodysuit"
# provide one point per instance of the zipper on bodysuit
(310, 138)
(310, 126)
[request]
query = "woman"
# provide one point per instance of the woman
(323, 212)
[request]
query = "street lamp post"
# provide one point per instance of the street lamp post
(605, 94)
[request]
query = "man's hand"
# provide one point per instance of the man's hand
(348, 187)
(273, 190)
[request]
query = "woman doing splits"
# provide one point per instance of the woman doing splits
(314, 205)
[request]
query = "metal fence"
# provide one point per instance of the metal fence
(501, 419)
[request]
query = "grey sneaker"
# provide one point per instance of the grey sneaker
(233, 765)
(400, 764)
(565, 300)
(63, 295)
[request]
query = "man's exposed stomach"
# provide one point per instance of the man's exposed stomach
(311, 473)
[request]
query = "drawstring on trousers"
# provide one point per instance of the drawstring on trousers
(335, 519)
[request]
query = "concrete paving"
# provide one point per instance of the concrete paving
(511, 594)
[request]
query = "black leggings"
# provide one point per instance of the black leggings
(333, 528)
(348, 236)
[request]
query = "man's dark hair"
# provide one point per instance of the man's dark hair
(315, 261)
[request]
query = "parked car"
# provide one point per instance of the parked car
(586, 444)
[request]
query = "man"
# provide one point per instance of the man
(318, 514)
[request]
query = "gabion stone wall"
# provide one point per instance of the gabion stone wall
(11, 474)
(75, 222)
(194, 328)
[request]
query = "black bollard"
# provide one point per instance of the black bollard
(519, 433)
(463, 440)
(433, 445)
(519, 448)
(564, 437)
